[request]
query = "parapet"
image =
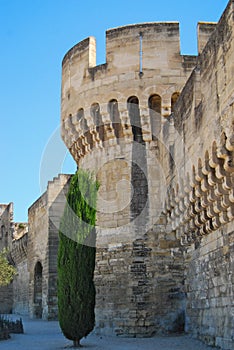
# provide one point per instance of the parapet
(123, 46)
(204, 31)
(142, 60)
(84, 51)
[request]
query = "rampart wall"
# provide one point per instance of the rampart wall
(6, 231)
(33, 251)
(44, 217)
(200, 204)
(19, 256)
(112, 118)
(157, 128)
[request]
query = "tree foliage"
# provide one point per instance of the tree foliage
(7, 271)
(76, 259)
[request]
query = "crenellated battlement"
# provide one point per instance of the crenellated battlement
(84, 50)
(156, 128)
(138, 47)
(120, 39)
(142, 61)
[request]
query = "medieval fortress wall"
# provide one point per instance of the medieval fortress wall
(6, 229)
(156, 128)
(200, 205)
(33, 251)
(44, 217)
(107, 127)
(165, 165)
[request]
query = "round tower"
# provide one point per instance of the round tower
(112, 119)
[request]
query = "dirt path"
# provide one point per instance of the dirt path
(42, 335)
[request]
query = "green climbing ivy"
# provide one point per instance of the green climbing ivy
(7, 271)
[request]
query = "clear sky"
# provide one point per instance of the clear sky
(34, 37)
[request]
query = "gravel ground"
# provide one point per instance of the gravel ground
(43, 335)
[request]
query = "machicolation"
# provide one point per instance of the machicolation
(156, 128)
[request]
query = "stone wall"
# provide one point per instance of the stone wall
(6, 225)
(44, 217)
(6, 232)
(110, 128)
(37, 252)
(165, 165)
(21, 280)
(209, 285)
(6, 299)
(200, 204)
(33, 251)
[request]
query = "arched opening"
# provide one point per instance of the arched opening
(135, 120)
(38, 290)
(174, 98)
(85, 130)
(155, 105)
(113, 110)
(97, 119)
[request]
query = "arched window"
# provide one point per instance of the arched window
(134, 115)
(155, 105)
(38, 290)
(97, 119)
(174, 98)
(113, 110)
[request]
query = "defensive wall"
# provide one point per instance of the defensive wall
(33, 251)
(6, 227)
(200, 202)
(157, 129)
(44, 218)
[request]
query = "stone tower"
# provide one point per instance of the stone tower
(113, 118)
(156, 128)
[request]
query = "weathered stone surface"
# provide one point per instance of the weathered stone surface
(157, 130)
(165, 165)
(44, 218)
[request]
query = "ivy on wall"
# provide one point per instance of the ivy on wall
(7, 271)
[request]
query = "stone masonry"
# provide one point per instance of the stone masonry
(44, 218)
(6, 227)
(33, 251)
(156, 127)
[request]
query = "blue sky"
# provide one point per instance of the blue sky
(34, 36)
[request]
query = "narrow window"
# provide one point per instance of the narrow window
(174, 98)
(38, 290)
(155, 105)
(134, 115)
(113, 110)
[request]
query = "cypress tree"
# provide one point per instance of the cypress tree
(76, 259)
